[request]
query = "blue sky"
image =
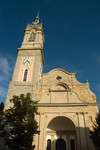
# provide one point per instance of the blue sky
(72, 37)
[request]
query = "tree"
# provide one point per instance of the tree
(1, 106)
(95, 134)
(2, 126)
(19, 124)
(1, 118)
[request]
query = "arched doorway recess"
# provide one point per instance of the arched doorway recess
(60, 144)
(60, 130)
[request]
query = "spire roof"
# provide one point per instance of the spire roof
(38, 15)
(37, 19)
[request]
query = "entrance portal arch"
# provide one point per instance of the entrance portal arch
(61, 130)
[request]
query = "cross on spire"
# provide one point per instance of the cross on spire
(37, 19)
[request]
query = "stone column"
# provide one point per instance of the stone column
(41, 141)
(79, 144)
(89, 143)
(37, 136)
(52, 142)
(82, 129)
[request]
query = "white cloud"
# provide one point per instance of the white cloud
(3, 92)
(6, 69)
(4, 65)
(3, 77)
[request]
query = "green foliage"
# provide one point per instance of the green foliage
(19, 123)
(2, 132)
(95, 134)
(1, 106)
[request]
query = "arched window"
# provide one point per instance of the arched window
(25, 75)
(48, 144)
(72, 144)
(32, 36)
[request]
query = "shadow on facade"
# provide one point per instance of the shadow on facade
(65, 140)
(69, 140)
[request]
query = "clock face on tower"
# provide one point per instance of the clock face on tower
(27, 60)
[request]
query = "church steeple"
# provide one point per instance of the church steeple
(29, 63)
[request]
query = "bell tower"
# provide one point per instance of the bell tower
(29, 63)
(33, 37)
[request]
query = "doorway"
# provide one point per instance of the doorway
(60, 144)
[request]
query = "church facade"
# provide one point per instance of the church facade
(67, 108)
